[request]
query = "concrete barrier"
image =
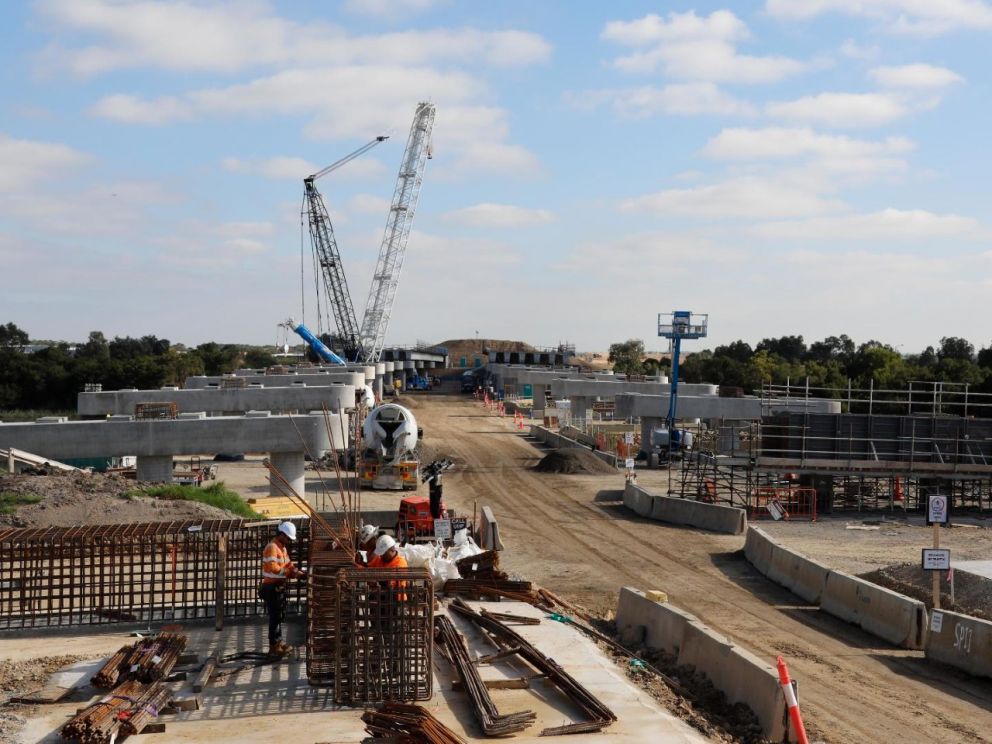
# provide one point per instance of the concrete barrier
(658, 625)
(796, 572)
(637, 500)
(758, 547)
(715, 517)
(880, 611)
(962, 641)
(740, 675)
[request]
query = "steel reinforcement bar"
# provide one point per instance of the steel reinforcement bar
(123, 573)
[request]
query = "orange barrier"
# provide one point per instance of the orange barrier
(796, 503)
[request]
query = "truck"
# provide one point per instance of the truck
(388, 460)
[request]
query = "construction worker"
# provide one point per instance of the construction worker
(367, 538)
(386, 554)
(277, 570)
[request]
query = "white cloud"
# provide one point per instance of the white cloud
(133, 110)
(887, 224)
(914, 76)
(499, 157)
(842, 110)
(682, 99)
(436, 254)
(499, 216)
(789, 142)
(691, 47)
(28, 161)
(853, 50)
(922, 17)
(741, 197)
(388, 9)
(233, 36)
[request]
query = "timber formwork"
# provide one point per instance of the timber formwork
(862, 462)
(130, 573)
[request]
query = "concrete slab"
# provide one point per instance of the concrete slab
(275, 703)
(979, 568)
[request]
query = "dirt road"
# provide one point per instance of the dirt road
(571, 534)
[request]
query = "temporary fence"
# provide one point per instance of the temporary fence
(129, 573)
(783, 502)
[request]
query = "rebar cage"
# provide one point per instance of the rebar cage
(127, 573)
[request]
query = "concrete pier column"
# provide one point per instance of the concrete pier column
(291, 466)
(155, 468)
(380, 372)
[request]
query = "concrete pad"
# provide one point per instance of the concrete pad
(979, 568)
(275, 702)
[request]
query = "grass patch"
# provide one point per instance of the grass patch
(9, 501)
(15, 415)
(215, 495)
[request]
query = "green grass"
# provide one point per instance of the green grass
(215, 494)
(9, 501)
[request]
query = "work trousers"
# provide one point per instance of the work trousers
(274, 596)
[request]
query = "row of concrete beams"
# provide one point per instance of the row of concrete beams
(336, 397)
(156, 442)
(509, 378)
(652, 410)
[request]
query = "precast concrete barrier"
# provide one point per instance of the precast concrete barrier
(798, 573)
(740, 675)
(714, 517)
(658, 625)
(758, 547)
(882, 612)
(637, 500)
(960, 640)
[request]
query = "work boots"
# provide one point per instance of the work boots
(280, 649)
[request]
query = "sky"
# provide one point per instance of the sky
(810, 167)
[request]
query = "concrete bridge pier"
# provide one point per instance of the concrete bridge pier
(292, 467)
(154, 468)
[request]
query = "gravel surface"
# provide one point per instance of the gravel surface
(18, 678)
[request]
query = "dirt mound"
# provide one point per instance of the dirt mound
(972, 594)
(573, 461)
(459, 347)
(80, 498)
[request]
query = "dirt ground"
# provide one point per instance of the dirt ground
(572, 534)
(80, 498)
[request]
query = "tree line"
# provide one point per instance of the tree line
(831, 363)
(51, 377)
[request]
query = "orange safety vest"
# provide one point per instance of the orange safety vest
(397, 562)
(276, 566)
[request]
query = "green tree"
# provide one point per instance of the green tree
(257, 357)
(11, 335)
(626, 357)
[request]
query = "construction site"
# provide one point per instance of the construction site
(509, 545)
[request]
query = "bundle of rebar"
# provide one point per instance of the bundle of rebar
(599, 715)
(408, 724)
(148, 660)
(520, 590)
(482, 566)
(97, 723)
(154, 697)
(492, 721)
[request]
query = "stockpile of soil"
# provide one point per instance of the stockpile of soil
(972, 594)
(577, 461)
(80, 498)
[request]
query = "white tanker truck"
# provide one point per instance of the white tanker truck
(388, 461)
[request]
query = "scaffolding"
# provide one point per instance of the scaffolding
(888, 451)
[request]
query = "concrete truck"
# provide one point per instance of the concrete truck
(389, 461)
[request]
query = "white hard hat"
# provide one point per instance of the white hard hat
(368, 532)
(383, 544)
(288, 529)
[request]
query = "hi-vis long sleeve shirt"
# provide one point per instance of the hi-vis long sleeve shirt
(276, 566)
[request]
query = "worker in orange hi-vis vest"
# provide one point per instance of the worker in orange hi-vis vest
(277, 570)
(387, 556)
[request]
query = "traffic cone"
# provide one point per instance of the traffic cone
(790, 700)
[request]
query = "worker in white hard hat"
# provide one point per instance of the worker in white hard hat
(387, 556)
(367, 538)
(277, 570)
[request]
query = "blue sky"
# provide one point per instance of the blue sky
(806, 167)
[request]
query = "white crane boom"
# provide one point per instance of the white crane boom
(398, 224)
